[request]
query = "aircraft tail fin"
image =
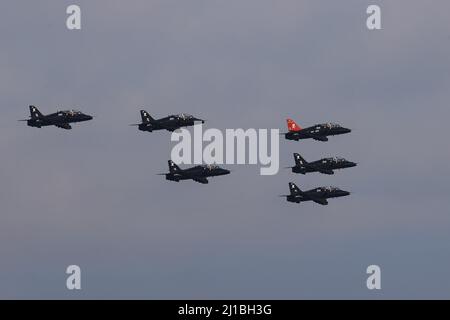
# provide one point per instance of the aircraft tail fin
(299, 161)
(294, 189)
(146, 118)
(292, 125)
(35, 113)
(173, 168)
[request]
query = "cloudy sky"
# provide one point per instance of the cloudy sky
(91, 196)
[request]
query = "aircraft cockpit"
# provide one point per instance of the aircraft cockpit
(184, 116)
(331, 125)
(71, 112)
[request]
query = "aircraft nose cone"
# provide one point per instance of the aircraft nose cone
(89, 117)
(225, 171)
(200, 120)
(345, 193)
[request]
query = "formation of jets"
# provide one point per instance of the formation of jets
(319, 132)
(201, 173)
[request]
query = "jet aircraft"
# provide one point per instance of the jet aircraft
(319, 132)
(60, 119)
(325, 166)
(169, 123)
(318, 195)
(197, 173)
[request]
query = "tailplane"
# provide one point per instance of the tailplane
(292, 126)
(146, 118)
(35, 113)
(173, 168)
(294, 189)
(299, 161)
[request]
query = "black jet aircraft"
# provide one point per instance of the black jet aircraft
(197, 173)
(318, 195)
(319, 132)
(60, 119)
(170, 123)
(325, 166)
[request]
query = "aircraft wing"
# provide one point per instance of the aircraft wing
(319, 138)
(321, 201)
(64, 126)
(201, 180)
(171, 127)
(309, 132)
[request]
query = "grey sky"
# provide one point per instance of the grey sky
(91, 197)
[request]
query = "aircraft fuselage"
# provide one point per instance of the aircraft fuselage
(168, 123)
(318, 132)
(323, 166)
(60, 119)
(318, 193)
(196, 172)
